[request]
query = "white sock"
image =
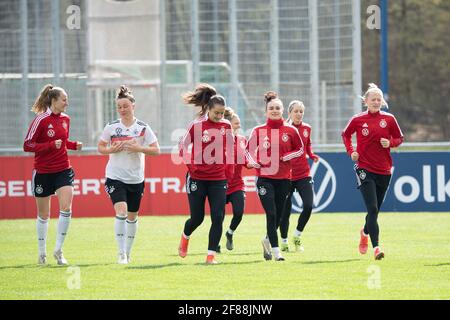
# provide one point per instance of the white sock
(230, 231)
(119, 229)
(297, 233)
(42, 228)
(284, 241)
(276, 252)
(131, 228)
(212, 253)
(63, 226)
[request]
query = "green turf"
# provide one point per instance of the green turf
(417, 263)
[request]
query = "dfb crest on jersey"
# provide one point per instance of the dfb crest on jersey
(262, 191)
(205, 137)
(242, 144)
(51, 133)
(64, 124)
(285, 137)
(383, 123)
(222, 131)
(266, 143)
(118, 131)
(305, 133)
(365, 132)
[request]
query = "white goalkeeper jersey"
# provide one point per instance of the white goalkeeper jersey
(126, 166)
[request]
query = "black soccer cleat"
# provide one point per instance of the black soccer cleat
(229, 241)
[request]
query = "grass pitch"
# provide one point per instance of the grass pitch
(417, 263)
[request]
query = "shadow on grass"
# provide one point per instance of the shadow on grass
(155, 266)
(225, 253)
(53, 266)
(438, 265)
(24, 266)
(330, 261)
(230, 263)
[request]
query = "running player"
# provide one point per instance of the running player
(127, 141)
(270, 148)
(300, 178)
(376, 133)
(211, 139)
(48, 139)
(235, 192)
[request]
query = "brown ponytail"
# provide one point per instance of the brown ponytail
(200, 97)
(269, 96)
(229, 113)
(44, 100)
(125, 92)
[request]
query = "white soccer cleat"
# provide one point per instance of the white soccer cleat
(123, 259)
(42, 259)
(58, 255)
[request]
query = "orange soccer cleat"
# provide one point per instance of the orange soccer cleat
(183, 248)
(211, 259)
(378, 253)
(363, 242)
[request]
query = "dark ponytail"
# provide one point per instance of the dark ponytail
(204, 96)
(125, 92)
(269, 96)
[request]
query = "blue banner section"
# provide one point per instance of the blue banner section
(420, 182)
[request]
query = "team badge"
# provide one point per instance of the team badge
(383, 123)
(51, 133)
(266, 143)
(64, 124)
(193, 187)
(285, 137)
(39, 189)
(109, 189)
(305, 133)
(262, 191)
(118, 131)
(222, 131)
(242, 144)
(135, 132)
(205, 137)
(362, 175)
(365, 132)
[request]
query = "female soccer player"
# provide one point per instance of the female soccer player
(376, 132)
(235, 192)
(270, 148)
(48, 138)
(211, 139)
(300, 178)
(127, 141)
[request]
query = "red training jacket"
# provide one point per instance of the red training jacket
(300, 165)
(370, 128)
(212, 148)
(237, 183)
(42, 133)
(271, 147)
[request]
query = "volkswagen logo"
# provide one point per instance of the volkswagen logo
(324, 187)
